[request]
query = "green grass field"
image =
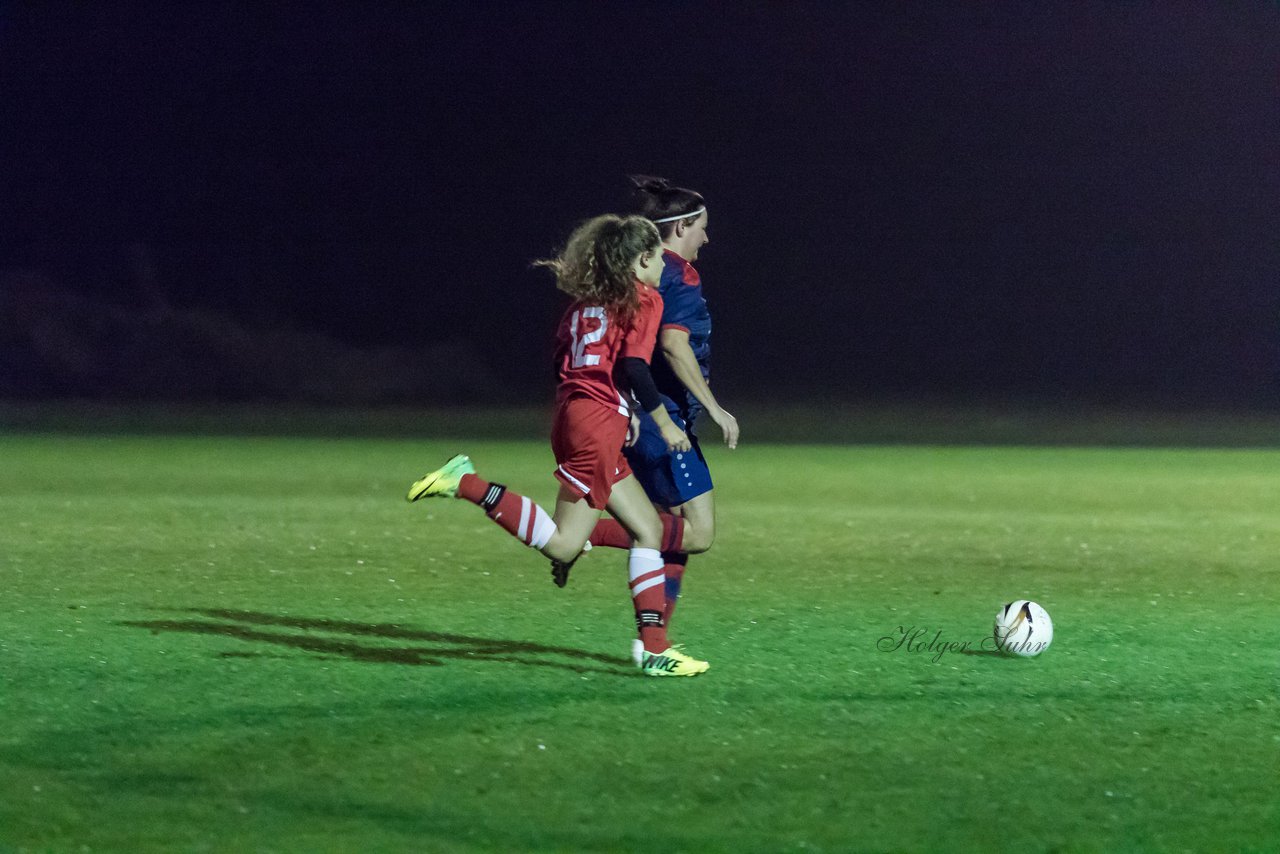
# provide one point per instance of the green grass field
(254, 644)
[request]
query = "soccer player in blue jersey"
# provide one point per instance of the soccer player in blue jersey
(678, 482)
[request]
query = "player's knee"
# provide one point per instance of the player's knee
(558, 548)
(697, 540)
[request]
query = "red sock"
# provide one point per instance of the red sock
(610, 534)
(646, 572)
(674, 571)
(514, 513)
(672, 532)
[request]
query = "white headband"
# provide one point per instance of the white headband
(698, 212)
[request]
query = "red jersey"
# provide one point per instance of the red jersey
(590, 343)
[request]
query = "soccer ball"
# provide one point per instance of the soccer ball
(1023, 628)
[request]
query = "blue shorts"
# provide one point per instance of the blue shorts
(669, 478)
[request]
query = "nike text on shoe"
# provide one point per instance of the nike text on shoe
(671, 662)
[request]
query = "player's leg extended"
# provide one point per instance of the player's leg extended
(520, 517)
(574, 519)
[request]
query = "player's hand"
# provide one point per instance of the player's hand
(676, 439)
(728, 426)
(633, 430)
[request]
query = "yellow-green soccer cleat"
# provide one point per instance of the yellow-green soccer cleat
(672, 662)
(443, 481)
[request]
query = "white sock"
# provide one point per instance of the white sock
(645, 568)
(542, 529)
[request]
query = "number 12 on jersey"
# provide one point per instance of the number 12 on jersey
(579, 350)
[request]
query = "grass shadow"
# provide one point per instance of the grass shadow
(361, 644)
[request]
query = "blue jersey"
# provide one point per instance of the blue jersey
(683, 308)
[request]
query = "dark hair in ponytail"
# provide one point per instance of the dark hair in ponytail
(655, 198)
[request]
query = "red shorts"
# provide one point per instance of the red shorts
(587, 439)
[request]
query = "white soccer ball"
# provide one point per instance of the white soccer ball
(1023, 628)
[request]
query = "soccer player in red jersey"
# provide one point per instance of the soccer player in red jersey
(611, 266)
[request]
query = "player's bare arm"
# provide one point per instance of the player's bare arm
(679, 355)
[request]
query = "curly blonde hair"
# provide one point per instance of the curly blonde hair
(596, 264)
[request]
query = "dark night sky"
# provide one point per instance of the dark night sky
(1017, 198)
